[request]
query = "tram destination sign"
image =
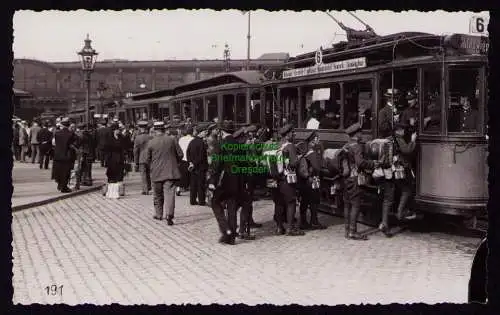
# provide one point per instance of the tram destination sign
(468, 44)
(343, 65)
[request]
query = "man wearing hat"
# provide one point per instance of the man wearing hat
(64, 146)
(102, 135)
(404, 151)
(357, 164)
(309, 181)
(140, 156)
(286, 181)
(226, 187)
(45, 140)
(163, 154)
(386, 114)
(197, 159)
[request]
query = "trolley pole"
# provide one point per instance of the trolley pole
(248, 42)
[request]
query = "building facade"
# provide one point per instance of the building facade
(60, 86)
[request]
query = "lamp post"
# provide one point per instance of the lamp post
(88, 57)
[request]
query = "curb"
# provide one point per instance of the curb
(57, 198)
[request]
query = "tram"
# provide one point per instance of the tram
(345, 84)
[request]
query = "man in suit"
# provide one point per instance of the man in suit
(64, 148)
(44, 138)
(227, 188)
(196, 154)
(163, 157)
(140, 156)
(102, 135)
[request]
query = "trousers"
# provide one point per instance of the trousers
(164, 194)
(145, 177)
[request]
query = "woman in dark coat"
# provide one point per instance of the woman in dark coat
(115, 161)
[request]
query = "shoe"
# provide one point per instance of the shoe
(385, 229)
(192, 203)
(170, 221)
(280, 230)
(295, 232)
(305, 226)
(255, 225)
(247, 237)
(144, 193)
(227, 239)
(357, 237)
(157, 218)
(202, 203)
(317, 226)
(65, 190)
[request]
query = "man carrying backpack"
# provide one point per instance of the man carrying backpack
(287, 162)
(309, 183)
(354, 164)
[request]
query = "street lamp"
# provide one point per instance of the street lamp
(88, 57)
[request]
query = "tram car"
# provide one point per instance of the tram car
(332, 88)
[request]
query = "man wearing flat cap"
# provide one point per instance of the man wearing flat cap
(163, 156)
(356, 164)
(64, 148)
(140, 156)
(287, 197)
(309, 183)
(197, 160)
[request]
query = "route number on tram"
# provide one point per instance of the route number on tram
(54, 290)
(478, 24)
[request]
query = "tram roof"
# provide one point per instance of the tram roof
(212, 89)
(249, 77)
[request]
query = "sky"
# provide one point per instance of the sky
(201, 34)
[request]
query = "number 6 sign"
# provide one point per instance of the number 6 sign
(478, 25)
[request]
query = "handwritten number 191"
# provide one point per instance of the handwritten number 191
(54, 289)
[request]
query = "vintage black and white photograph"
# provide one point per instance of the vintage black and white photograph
(255, 157)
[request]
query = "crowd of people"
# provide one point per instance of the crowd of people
(176, 157)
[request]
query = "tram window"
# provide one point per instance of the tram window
(240, 108)
(463, 99)
(358, 101)
(212, 108)
(255, 108)
(198, 109)
(154, 111)
(186, 110)
(228, 106)
(432, 101)
(177, 108)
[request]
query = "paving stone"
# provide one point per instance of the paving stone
(112, 251)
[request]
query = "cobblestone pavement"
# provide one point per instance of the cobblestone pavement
(32, 184)
(111, 251)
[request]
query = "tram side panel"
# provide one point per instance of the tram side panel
(452, 178)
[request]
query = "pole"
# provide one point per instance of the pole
(87, 99)
(248, 43)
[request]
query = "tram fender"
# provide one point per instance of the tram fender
(477, 291)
